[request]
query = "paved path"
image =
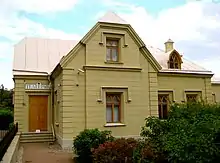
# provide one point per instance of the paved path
(45, 153)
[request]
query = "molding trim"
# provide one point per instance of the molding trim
(38, 77)
(101, 95)
(132, 69)
(113, 33)
(184, 74)
(192, 90)
(199, 92)
(161, 91)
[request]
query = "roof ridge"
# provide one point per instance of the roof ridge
(111, 17)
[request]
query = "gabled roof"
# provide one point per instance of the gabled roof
(111, 17)
(37, 56)
(42, 55)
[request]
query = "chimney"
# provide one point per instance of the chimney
(168, 45)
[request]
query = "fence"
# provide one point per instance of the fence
(2, 134)
(7, 139)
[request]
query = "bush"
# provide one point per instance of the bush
(88, 139)
(6, 117)
(124, 151)
(190, 134)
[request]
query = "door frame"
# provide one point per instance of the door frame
(39, 93)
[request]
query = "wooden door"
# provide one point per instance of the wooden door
(38, 108)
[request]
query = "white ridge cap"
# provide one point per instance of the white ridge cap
(112, 17)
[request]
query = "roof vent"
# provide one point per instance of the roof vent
(168, 45)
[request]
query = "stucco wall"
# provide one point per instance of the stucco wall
(58, 118)
(216, 91)
(80, 106)
(179, 85)
(73, 97)
(21, 100)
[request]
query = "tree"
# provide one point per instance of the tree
(6, 97)
(189, 135)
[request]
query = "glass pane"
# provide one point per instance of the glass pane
(114, 43)
(171, 65)
(165, 112)
(176, 65)
(108, 114)
(159, 111)
(114, 55)
(116, 114)
(108, 43)
(108, 54)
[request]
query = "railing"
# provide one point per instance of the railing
(53, 132)
(7, 139)
(2, 134)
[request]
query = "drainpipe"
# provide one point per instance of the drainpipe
(51, 98)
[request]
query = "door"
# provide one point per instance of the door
(38, 107)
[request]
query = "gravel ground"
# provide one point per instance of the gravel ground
(44, 153)
(20, 155)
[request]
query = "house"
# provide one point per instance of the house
(110, 80)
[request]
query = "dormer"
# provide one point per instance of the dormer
(175, 60)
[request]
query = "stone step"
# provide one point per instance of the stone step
(37, 137)
(37, 140)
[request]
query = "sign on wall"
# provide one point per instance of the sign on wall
(37, 86)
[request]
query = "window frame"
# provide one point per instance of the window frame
(192, 94)
(214, 98)
(112, 47)
(119, 94)
(161, 104)
(175, 61)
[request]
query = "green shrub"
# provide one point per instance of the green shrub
(120, 150)
(124, 151)
(190, 134)
(6, 117)
(88, 139)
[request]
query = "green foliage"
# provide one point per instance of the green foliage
(6, 108)
(125, 150)
(6, 98)
(120, 150)
(188, 135)
(88, 139)
(6, 117)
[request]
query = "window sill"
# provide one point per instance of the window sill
(112, 62)
(114, 124)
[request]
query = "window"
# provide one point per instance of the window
(191, 97)
(112, 50)
(163, 105)
(174, 62)
(113, 107)
(213, 98)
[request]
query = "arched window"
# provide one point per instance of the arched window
(174, 61)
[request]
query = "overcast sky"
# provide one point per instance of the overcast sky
(194, 25)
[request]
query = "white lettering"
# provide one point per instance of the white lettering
(37, 86)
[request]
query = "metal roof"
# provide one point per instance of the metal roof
(34, 56)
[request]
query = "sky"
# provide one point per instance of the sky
(194, 25)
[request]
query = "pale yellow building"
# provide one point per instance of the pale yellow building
(110, 80)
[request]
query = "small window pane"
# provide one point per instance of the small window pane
(114, 43)
(108, 55)
(160, 111)
(114, 55)
(108, 43)
(109, 114)
(116, 114)
(165, 111)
